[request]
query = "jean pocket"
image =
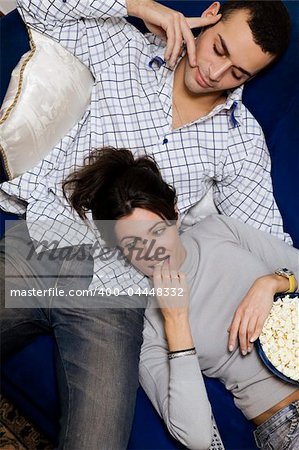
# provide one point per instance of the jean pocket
(293, 434)
(280, 437)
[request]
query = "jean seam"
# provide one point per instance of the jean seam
(64, 268)
(3, 329)
(293, 426)
(67, 427)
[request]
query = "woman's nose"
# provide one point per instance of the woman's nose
(149, 249)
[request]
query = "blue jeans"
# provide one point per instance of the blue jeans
(97, 346)
(281, 431)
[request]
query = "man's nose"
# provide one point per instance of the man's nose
(217, 71)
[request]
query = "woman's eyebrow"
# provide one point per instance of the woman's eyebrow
(139, 238)
(136, 238)
(157, 223)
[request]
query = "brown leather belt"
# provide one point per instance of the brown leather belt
(270, 412)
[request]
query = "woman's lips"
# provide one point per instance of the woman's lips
(160, 263)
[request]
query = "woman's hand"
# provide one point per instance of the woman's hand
(253, 311)
(171, 291)
(172, 26)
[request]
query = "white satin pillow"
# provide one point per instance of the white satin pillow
(48, 93)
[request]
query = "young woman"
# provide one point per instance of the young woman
(213, 289)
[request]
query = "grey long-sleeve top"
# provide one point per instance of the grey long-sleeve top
(224, 258)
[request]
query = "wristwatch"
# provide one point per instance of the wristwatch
(284, 272)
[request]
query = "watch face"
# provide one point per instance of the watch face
(284, 272)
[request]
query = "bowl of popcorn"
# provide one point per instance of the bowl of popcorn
(278, 344)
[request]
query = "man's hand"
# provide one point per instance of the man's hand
(171, 25)
(251, 314)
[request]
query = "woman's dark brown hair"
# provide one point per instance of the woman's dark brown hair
(112, 183)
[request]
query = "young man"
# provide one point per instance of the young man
(189, 114)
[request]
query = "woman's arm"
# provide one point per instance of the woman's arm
(253, 311)
(175, 386)
(171, 291)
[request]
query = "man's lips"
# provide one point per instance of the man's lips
(201, 80)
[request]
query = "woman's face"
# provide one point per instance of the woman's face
(147, 240)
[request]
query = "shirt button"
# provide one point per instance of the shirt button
(165, 140)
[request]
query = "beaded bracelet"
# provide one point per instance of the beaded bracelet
(179, 353)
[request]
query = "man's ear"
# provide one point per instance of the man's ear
(212, 10)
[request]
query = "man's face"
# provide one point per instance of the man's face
(227, 56)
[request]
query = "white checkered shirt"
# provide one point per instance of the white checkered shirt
(131, 106)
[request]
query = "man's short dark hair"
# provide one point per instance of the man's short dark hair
(269, 22)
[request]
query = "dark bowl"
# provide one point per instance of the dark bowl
(263, 355)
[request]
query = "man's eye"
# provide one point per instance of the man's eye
(236, 76)
(218, 53)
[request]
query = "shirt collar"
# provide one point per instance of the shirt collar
(233, 103)
(165, 77)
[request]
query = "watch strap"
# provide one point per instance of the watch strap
(293, 284)
(284, 272)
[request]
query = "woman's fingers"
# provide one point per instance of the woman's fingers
(258, 329)
(171, 288)
(233, 332)
(157, 275)
(241, 329)
(244, 328)
(250, 316)
(243, 335)
(250, 331)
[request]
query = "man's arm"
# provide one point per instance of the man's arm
(172, 26)
(49, 16)
(244, 188)
(83, 27)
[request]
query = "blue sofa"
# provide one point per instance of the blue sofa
(28, 378)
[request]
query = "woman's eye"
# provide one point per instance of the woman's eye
(130, 245)
(158, 232)
(218, 52)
